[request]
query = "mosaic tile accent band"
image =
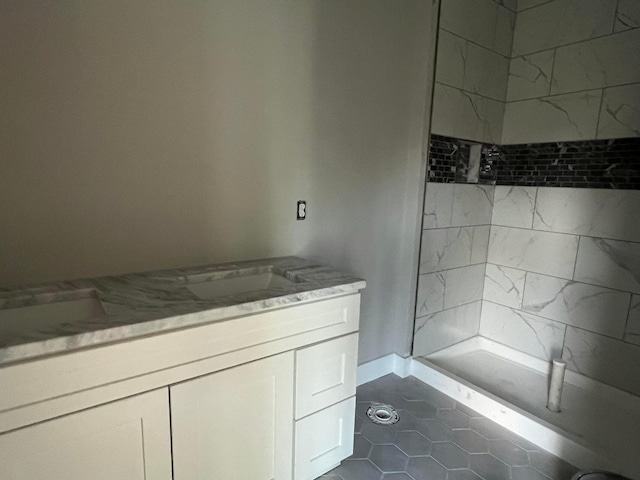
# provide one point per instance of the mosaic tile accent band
(613, 164)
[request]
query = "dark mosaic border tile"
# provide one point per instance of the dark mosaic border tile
(613, 164)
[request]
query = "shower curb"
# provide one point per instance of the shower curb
(508, 416)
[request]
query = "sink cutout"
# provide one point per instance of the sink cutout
(14, 321)
(222, 287)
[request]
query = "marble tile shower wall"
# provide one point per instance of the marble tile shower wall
(455, 239)
(538, 70)
(573, 73)
(474, 46)
(562, 275)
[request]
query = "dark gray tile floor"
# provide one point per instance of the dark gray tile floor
(438, 439)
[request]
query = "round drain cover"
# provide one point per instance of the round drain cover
(382, 414)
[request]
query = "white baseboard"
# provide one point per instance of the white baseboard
(392, 363)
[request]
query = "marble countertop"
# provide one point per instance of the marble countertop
(142, 304)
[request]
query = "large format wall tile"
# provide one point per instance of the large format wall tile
(627, 15)
(597, 309)
(620, 112)
(445, 328)
(504, 285)
(451, 59)
(530, 76)
(562, 117)
(474, 20)
(430, 295)
(486, 72)
(610, 263)
(457, 205)
(471, 205)
(632, 333)
(494, 115)
(588, 211)
(561, 22)
(447, 248)
(540, 252)
(463, 285)
(611, 361)
(505, 24)
(438, 202)
(513, 206)
(461, 114)
(523, 331)
(602, 62)
(449, 288)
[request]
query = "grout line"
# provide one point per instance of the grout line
(535, 207)
(634, 242)
(609, 337)
(615, 17)
(535, 6)
(538, 98)
(475, 43)
(626, 323)
(600, 111)
(473, 93)
(575, 261)
(574, 43)
(570, 93)
(459, 226)
(450, 308)
(524, 289)
(452, 268)
(565, 279)
(564, 341)
(504, 6)
(559, 322)
(553, 69)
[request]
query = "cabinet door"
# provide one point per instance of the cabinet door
(128, 440)
(235, 424)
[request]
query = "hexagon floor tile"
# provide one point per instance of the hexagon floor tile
(438, 439)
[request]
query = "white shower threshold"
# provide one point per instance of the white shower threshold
(598, 427)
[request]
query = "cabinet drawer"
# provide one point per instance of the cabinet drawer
(325, 374)
(324, 439)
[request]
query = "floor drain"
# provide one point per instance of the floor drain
(382, 414)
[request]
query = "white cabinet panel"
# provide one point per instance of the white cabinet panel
(325, 374)
(324, 439)
(125, 440)
(236, 424)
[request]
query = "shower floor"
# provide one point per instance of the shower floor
(601, 418)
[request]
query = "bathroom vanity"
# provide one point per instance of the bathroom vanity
(236, 371)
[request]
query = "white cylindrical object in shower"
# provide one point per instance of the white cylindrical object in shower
(557, 381)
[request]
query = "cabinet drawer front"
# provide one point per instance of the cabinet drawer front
(325, 374)
(324, 439)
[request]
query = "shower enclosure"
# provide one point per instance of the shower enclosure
(531, 234)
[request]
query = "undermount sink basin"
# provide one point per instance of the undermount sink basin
(31, 318)
(211, 289)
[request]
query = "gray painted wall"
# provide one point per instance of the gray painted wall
(154, 134)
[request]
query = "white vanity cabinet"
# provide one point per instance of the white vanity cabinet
(128, 440)
(235, 424)
(268, 396)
